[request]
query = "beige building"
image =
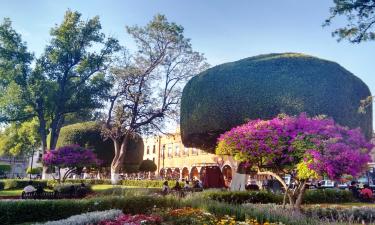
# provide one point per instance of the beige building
(175, 161)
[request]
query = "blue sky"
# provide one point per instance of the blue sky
(223, 30)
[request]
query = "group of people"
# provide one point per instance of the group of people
(363, 193)
(184, 185)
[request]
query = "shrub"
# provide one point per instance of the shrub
(265, 86)
(4, 168)
(86, 218)
(19, 184)
(146, 183)
(328, 196)
(73, 189)
(240, 197)
(147, 166)
(37, 170)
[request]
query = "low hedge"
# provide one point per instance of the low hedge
(7, 184)
(327, 196)
(310, 197)
(240, 197)
(19, 184)
(16, 212)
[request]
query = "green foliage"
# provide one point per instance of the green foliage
(68, 188)
(241, 197)
(147, 166)
(15, 212)
(360, 15)
(133, 183)
(37, 170)
(5, 168)
(327, 196)
(9, 184)
(88, 135)
(264, 86)
(20, 138)
(130, 168)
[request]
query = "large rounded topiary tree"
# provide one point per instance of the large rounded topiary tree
(264, 86)
(88, 134)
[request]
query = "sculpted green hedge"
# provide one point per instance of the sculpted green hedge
(88, 135)
(264, 86)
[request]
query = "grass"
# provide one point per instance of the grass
(8, 193)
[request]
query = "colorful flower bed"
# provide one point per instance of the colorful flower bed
(182, 216)
(139, 219)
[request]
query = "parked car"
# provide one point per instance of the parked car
(326, 184)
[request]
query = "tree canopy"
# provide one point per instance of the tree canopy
(68, 78)
(360, 15)
(261, 87)
(19, 138)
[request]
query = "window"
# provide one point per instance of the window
(162, 152)
(170, 151)
(153, 159)
(186, 151)
(148, 150)
(177, 150)
(153, 149)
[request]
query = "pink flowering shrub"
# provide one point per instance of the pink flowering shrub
(301, 146)
(137, 219)
(72, 157)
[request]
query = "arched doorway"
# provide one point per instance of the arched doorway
(162, 173)
(176, 174)
(185, 173)
(169, 173)
(227, 173)
(202, 173)
(194, 174)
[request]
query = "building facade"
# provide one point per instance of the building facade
(18, 166)
(175, 161)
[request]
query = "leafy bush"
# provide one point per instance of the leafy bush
(146, 183)
(86, 218)
(37, 170)
(264, 86)
(327, 196)
(147, 166)
(4, 168)
(73, 189)
(19, 184)
(240, 197)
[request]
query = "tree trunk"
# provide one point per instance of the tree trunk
(299, 196)
(117, 162)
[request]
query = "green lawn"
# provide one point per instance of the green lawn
(16, 192)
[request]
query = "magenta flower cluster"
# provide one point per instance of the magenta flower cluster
(283, 142)
(70, 156)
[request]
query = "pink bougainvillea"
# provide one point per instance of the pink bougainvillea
(70, 156)
(284, 142)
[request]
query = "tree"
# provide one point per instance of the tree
(300, 146)
(34, 171)
(148, 83)
(147, 166)
(264, 86)
(20, 139)
(67, 79)
(72, 157)
(361, 20)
